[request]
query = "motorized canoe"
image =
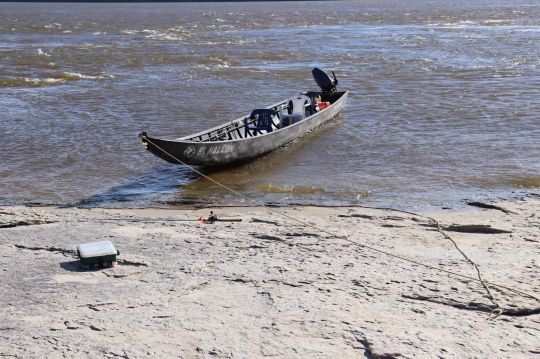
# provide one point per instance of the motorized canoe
(254, 135)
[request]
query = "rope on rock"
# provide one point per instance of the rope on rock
(498, 310)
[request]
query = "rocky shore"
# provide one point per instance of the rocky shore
(353, 282)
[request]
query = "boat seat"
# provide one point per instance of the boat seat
(296, 110)
(283, 116)
(259, 120)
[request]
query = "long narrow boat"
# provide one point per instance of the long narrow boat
(256, 134)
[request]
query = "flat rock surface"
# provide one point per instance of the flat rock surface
(268, 286)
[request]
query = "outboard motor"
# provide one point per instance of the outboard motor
(327, 85)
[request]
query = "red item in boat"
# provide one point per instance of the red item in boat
(323, 105)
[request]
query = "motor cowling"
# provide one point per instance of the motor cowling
(327, 85)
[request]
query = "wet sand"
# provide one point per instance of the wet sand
(268, 286)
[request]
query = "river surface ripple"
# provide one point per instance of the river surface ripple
(444, 103)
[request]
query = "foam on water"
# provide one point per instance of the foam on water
(49, 79)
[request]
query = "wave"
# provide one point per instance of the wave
(176, 33)
(293, 189)
(48, 80)
(227, 41)
(130, 32)
(311, 192)
(42, 53)
(170, 58)
(28, 82)
(54, 25)
(78, 76)
(524, 182)
(487, 23)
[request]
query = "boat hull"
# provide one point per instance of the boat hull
(219, 153)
